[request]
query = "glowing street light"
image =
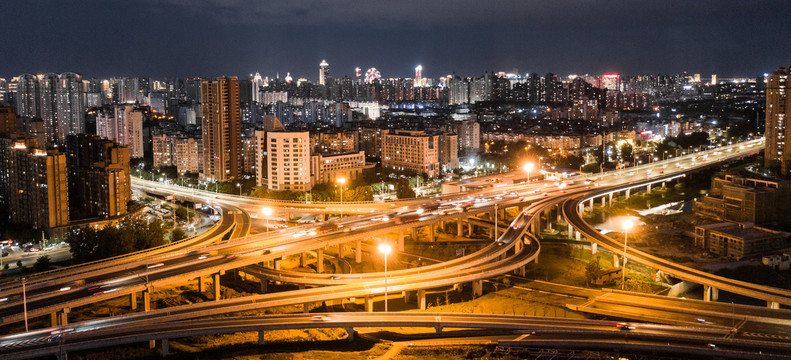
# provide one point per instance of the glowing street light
(267, 211)
(626, 225)
(528, 168)
(239, 185)
(385, 249)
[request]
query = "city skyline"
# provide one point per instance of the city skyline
(175, 38)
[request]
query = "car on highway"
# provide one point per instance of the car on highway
(624, 326)
(320, 318)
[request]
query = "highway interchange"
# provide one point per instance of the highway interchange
(207, 254)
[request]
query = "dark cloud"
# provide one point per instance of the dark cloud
(212, 37)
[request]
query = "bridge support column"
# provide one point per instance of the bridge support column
(340, 251)
(358, 251)
(459, 227)
(469, 228)
(477, 288)
(303, 259)
(578, 236)
(201, 285)
(610, 200)
(616, 260)
(264, 284)
(401, 245)
(407, 296)
(414, 234)
(320, 260)
(594, 248)
(133, 301)
(64, 317)
(571, 232)
(517, 246)
(216, 283)
(603, 201)
(772, 305)
(581, 208)
(261, 337)
(421, 299)
(648, 188)
(350, 334)
(369, 303)
(591, 204)
(663, 184)
(147, 308)
(432, 233)
(165, 347)
(710, 293)
(53, 319)
(628, 192)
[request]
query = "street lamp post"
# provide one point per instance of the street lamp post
(626, 224)
(342, 182)
(385, 249)
(267, 211)
(24, 303)
(528, 168)
(239, 185)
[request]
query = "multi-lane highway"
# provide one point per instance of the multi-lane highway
(245, 251)
(697, 340)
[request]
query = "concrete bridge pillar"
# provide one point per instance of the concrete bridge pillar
(201, 285)
(628, 192)
(578, 236)
(431, 234)
(603, 201)
(401, 245)
(591, 201)
(663, 184)
(772, 304)
(710, 293)
(350, 334)
(340, 252)
(369, 303)
(358, 251)
(459, 227)
(518, 246)
(53, 319)
(147, 308)
(648, 188)
(609, 201)
(165, 347)
(320, 260)
(260, 337)
(477, 288)
(571, 232)
(264, 284)
(407, 296)
(594, 248)
(581, 208)
(303, 259)
(63, 317)
(616, 260)
(421, 299)
(133, 301)
(470, 228)
(216, 283)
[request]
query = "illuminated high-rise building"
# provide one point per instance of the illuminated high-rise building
(778, 106)
(221, 128)
(124, 125)
(71, 106)
(324, 72)
(419, 75)
(258, 83)
(610, 81)
(27, 97)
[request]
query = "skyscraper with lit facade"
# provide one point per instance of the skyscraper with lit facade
(221, 128)
(778, 103)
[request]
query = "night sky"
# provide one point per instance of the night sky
(166, 38)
